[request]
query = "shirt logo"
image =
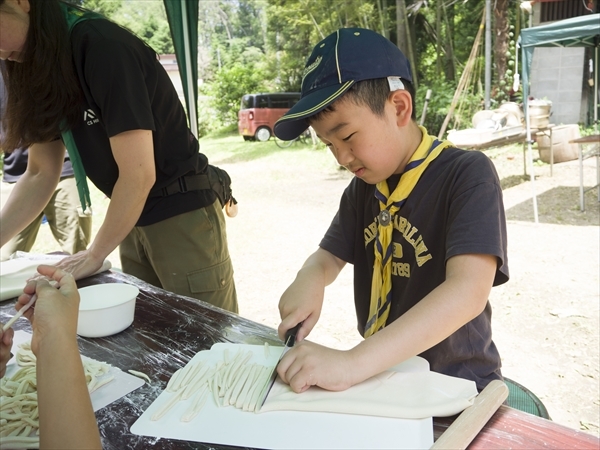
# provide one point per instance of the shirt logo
(89, 117)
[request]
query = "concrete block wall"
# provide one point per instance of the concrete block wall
(557, 75)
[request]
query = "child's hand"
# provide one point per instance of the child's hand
(301, 302)
(6, 340)
(56, 309)
(308, 364)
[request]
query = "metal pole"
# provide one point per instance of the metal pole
(528, 128)
(424, 113)
(488, 52)
(595, 90)
(188, 73)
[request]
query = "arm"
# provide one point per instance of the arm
(67, 419)
(33, 190)
(458, 300)
(303, 299)
(134, 153)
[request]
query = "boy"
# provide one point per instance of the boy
(422, 222)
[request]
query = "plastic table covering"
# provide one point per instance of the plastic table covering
(169, 330)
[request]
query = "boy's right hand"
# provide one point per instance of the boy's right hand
(56, 310)
(302, 302)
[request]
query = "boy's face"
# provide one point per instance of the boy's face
(370, 146)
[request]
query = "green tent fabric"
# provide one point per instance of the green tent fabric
(582, 31)
(183, 22)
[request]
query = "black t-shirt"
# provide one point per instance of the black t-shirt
(126, 88)
(455, 208)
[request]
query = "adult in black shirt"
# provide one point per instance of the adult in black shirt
(132, 135)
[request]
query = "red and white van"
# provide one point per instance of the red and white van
(259, 112)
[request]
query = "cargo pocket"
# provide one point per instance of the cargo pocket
(212, 278)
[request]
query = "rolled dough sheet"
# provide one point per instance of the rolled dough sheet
(281, 429)
(14, 273)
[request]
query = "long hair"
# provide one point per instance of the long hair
(43, 90)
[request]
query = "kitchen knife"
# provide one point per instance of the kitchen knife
(290, 340)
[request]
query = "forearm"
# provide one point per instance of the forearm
(321, 267)
(22, 207)
(67, 419)
(444, 310)
(134, 153)
(126, 205)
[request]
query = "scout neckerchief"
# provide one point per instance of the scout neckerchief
(73, 17)
(381, 285)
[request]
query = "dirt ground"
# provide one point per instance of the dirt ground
(546, 318)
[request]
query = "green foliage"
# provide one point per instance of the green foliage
(439, 104)
(249, 46)
(146, 19)
(105, 7)
(230, 84)
(437, 108)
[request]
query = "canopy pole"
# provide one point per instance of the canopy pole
(488, 54)
(188, 73)
(528, 137)
(595, 90)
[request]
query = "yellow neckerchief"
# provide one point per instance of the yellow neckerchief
(381, 285)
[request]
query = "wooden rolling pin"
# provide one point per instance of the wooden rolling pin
(470, 422)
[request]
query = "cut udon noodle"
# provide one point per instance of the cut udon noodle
(19, 416)
(233, 381)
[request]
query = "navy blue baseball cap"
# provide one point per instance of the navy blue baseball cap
(336, 63)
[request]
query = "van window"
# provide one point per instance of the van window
(262, 101)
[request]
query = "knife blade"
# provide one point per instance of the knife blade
(290, 340)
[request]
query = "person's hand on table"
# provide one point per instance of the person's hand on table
(6, 340)
(81, 264)
(308, 364)
(55, 312)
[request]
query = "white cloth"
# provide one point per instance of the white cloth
(14, 273)
(405, 395)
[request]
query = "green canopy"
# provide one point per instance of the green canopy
(582, 31)
(183, 22)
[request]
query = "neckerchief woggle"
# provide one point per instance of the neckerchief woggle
(389, 205)
(73, 17)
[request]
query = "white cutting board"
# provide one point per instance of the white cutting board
(284, 429)
(122, 385)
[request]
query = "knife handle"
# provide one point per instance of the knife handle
(290, 335)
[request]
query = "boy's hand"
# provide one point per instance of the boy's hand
(6, 340)
(56, 309)
(308, 364)
(301, 302)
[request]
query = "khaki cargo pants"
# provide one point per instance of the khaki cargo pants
(71, 228)
(186, 254)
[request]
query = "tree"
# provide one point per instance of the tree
(105, 7)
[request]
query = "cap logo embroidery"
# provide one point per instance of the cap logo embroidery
(308, 69)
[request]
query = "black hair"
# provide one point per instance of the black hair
(372, 93)
(43, 91)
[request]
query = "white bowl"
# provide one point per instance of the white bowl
(106, 309)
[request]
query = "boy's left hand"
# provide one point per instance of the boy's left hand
(308, 364)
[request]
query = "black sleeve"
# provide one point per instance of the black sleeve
(476, 218)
